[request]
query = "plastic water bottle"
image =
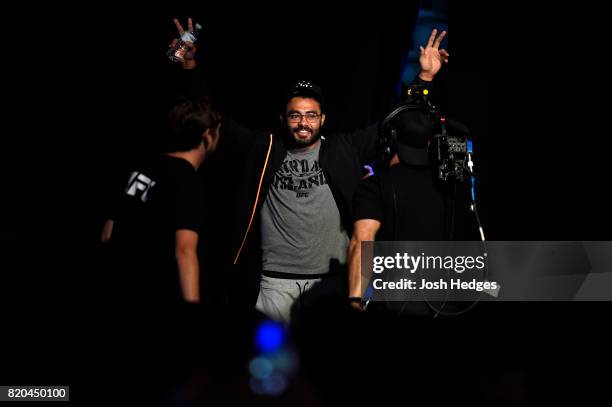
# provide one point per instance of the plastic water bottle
(177, 53)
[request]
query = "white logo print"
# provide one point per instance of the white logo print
(139, 182)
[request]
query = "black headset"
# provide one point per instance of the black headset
(388, 133)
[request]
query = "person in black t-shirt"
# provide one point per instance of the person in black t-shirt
(401, 203)
(157, 219)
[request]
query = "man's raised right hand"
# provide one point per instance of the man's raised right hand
(189, 57)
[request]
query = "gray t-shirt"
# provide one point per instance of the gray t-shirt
(301, 228)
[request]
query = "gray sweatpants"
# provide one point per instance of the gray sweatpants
(277, 296)
(281, 299)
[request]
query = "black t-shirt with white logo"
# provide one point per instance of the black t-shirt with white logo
(157, 200)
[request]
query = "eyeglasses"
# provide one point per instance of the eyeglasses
(297, 117)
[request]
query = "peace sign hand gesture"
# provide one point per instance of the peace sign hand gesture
(188, 57)
(432, 57)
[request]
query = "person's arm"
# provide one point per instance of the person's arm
(188, 265)
(430, 60)
(191, 83)
(107, 231)
(364, 230)
(368, 216)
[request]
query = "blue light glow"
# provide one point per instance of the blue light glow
(269, 336)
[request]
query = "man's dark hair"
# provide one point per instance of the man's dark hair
(305, 89)
(187, 120)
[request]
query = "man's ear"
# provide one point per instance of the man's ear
(282, 118)
(322, 119)
(207, 138)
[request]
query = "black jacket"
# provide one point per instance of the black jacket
(341, 157)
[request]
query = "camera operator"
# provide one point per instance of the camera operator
(405, 202)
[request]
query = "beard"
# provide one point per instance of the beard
(304, 136)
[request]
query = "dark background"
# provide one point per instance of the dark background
(87, 91)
